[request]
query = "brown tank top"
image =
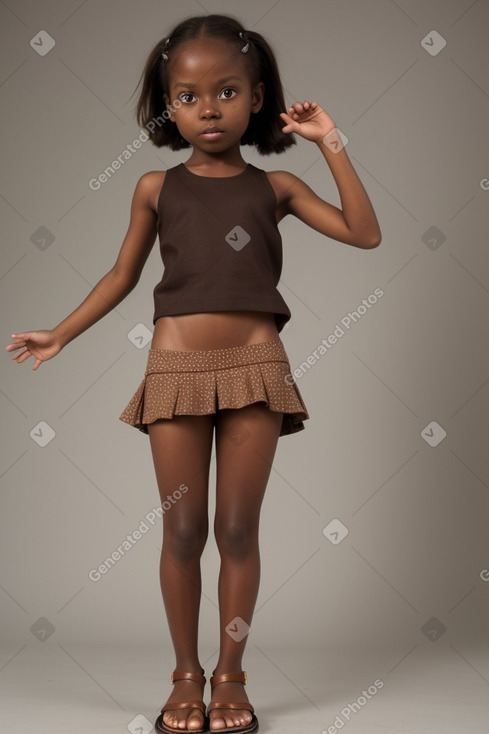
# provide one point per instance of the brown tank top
(220, 245)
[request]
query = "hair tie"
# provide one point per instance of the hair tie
(245, 41)
(244, 50)
(163, 54)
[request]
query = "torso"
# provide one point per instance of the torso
(220, 330)
(193, 331)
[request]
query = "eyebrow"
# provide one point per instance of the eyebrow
(219, 81)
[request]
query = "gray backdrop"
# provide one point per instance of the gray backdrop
(374, 527)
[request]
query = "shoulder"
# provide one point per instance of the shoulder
(281, 177)
(149, 181)
(148, 189)
(283, 182)
(286, 186)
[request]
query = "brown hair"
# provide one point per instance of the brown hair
(265, 126)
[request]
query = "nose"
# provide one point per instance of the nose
(208, 109)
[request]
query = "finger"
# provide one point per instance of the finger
(296, 109)
(24, 336)
(37, 364)
(14, 347)
(22, 357)
(16, 343)
(290, 126)
(286, 118)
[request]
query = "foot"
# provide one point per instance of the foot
(229, 718)
(190, 719)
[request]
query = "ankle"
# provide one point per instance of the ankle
(189, 667)
(223, 669)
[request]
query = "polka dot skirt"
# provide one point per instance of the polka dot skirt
(202, 382)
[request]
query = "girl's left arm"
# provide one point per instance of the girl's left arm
(355, 223)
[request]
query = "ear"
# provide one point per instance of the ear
(258, 93)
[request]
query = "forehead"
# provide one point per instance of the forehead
(203, 60)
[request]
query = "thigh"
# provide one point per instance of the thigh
(246, 440)
(181, 449)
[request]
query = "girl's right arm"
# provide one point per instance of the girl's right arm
(110, 290)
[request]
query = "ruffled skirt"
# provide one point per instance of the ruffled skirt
(205, 381)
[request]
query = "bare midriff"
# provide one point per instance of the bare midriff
(220, 330)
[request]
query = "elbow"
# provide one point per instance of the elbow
(376, 237)
(374, 243)
(364, 239)
(364, 244)
(371, 242)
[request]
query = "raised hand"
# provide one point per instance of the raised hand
(42, 345)
(307, 119)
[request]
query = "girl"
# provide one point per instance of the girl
(217, 365)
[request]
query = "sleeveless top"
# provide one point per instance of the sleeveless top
(220, 245)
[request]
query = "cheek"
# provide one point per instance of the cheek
(239, 106)
(182, 115)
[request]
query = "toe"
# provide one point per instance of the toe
(230, 719)
(216, 723)
(167, 719)
(240, 718)
(195, 721)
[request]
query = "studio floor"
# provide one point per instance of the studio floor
(77, 688)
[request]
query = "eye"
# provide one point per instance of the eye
(228, 93)
(184, 96)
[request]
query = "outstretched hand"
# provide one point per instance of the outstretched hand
(307, 119)
(42, 345)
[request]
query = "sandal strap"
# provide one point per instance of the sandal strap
(229, 678)
(184, 705)
(243, 705)
(179, 675)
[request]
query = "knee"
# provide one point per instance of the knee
(236, 540)
(185, 541)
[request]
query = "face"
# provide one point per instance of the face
(215, 96)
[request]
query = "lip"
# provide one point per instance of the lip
(212, 132)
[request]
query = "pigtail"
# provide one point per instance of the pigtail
(151, 112)
(265, 128)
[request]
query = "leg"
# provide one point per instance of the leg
(246, 440)
(181, 450)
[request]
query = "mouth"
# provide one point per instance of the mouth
(210, 133)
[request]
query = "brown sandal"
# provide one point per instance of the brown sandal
(250, 728)
(191, 705)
